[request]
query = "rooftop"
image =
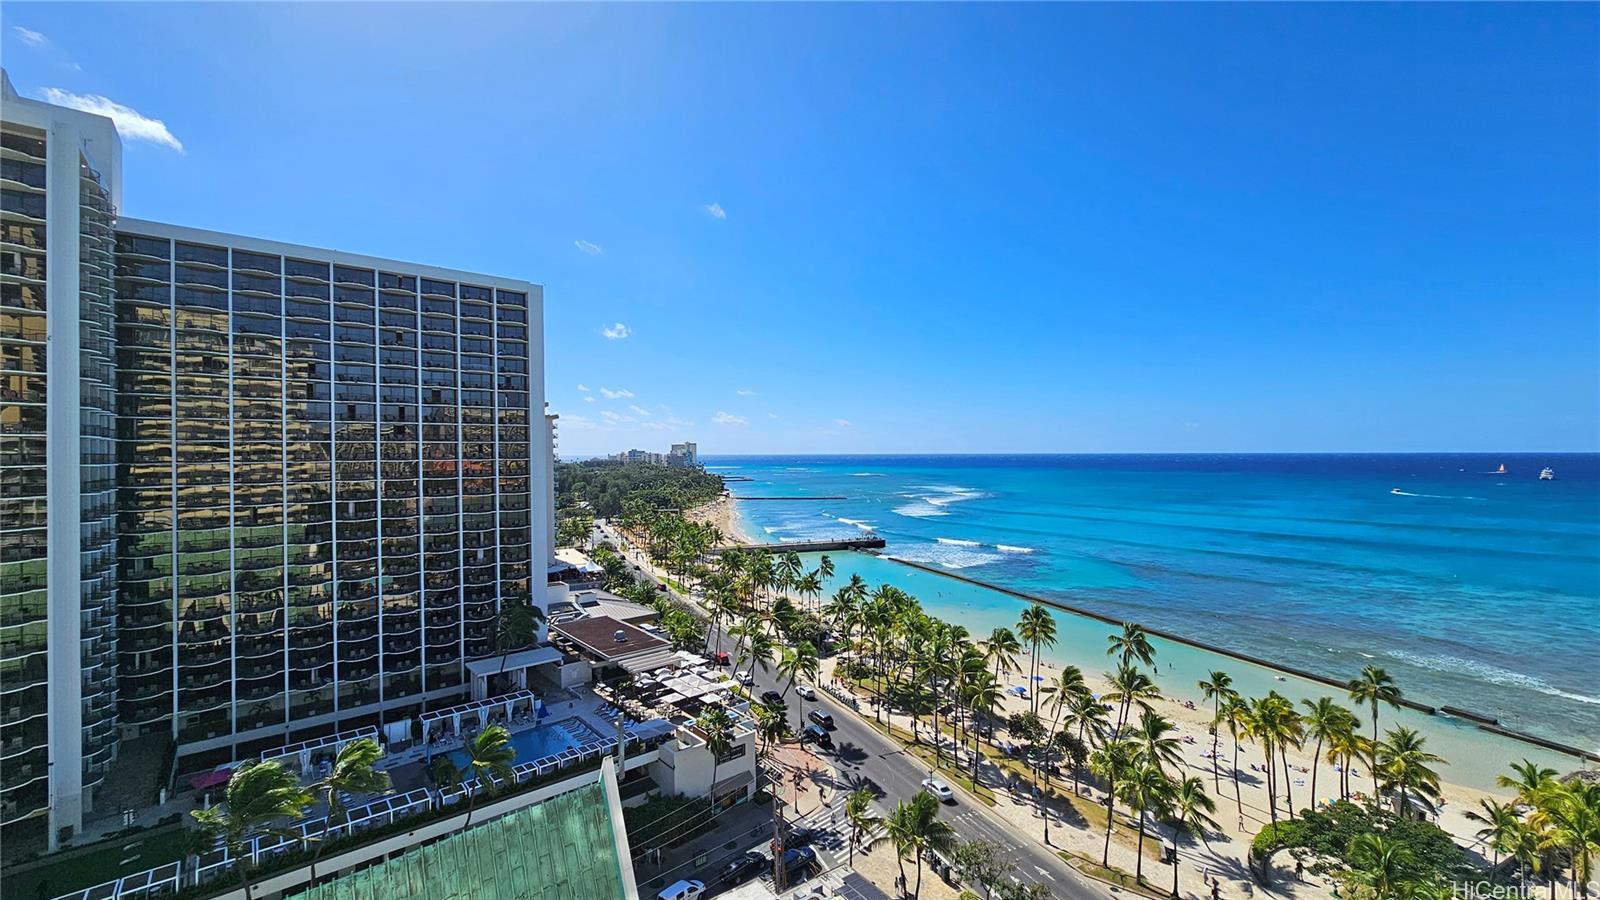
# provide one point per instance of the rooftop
(597, 636)
(563, 848)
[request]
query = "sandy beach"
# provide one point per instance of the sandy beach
(1194, 729)
(721, 513)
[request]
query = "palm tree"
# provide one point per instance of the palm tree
(1216, 687)
(1571, 812)
(915, 828)
(797, 662)
(1500, 821)
(1189, 813)
(1323, 720)
(516, 626)
(1066, 693)
(1130, 686)
(1001, 649)
(353, 772)
(258, 795)
(864, 824)
(1374, 686)
(717, 725)
(1155, 741)
(1531, 780)
(489, 756)
(1145, 788)
(1380, 862)
(1110, 762)
(1090, 716)
(1403, 766)
(1038, 628)
(1133, 643)
(1236, 717)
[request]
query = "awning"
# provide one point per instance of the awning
(522, 659)
(737, 780)
(649, 661)
(211, 779)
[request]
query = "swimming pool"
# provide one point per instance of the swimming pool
(532, 744)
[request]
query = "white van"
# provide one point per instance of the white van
(682, 890)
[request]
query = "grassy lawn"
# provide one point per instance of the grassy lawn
(113, 859)
(1112, 875)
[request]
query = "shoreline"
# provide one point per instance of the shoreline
(1480, 721)
(725, 513)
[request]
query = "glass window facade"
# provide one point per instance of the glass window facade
(317, 519)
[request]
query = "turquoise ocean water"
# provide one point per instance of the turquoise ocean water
(1474, 589)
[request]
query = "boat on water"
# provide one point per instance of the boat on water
(1501, 470)
(1547, 474)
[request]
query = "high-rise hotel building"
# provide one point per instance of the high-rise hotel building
(250, 492)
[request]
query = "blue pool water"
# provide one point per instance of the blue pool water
(532, 744)
(1473, 588)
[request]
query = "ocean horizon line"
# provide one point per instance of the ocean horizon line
(1168, 453)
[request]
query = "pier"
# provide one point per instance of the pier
(860, 543)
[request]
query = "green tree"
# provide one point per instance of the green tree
(260, 797)
(489, 756)
(717, 725)
(1405, 769)
(1037, 628)
(915, 828)
(1372, 687)
(1188, 810)
(1379, 863)
(1111, 762)
(1144, 788)
(865, 825)
(354, 771)
(1216, 687)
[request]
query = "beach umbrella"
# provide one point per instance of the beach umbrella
(1038, 678)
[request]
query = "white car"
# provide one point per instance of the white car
(747, 678)
(939, 789)
(806, 691)
(682, 890)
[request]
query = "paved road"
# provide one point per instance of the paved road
(864, 757)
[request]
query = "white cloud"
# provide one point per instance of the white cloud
(614, 418)
(588, 247)
(131, 124)
(745, 392)
(584, 388)
(722, 418)
(639, 410)
(588, 399)
(772, 415)
(716, 211)
(30, 37)
(842, 423)
(616, 332)
(576, 422)
(668, 424)
(620, 394)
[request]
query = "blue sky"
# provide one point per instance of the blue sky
(926, 228)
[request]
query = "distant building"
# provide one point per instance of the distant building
(686, 455)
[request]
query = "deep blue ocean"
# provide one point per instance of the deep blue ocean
(1473, 588)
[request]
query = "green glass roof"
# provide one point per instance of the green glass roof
(560, 849)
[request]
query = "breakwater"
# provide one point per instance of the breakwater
(1481, 722)
(863, 543)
